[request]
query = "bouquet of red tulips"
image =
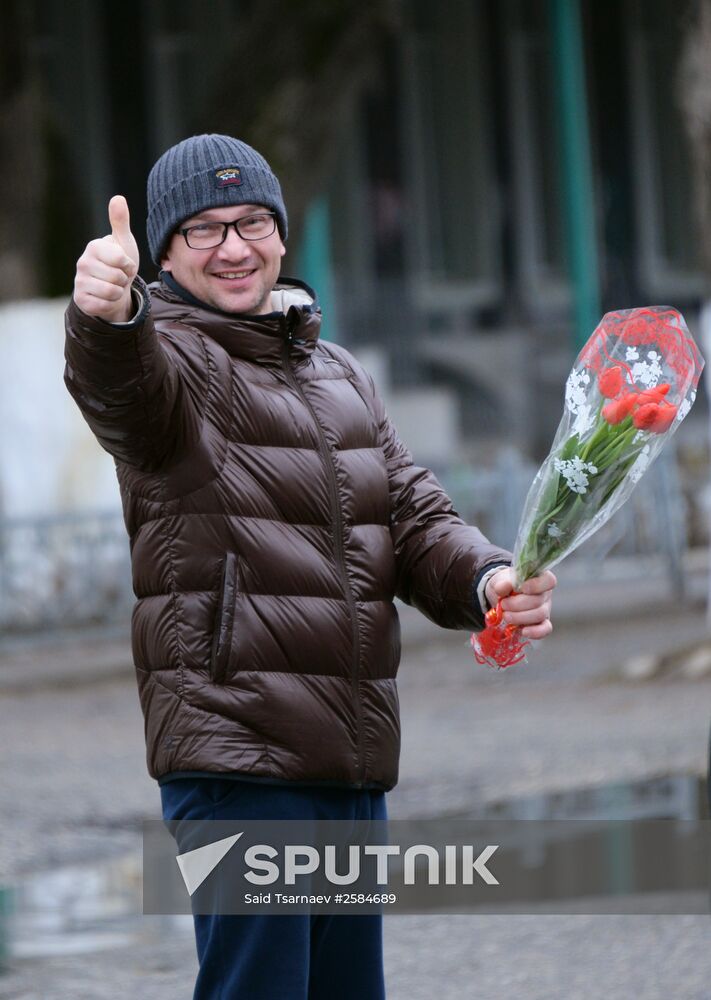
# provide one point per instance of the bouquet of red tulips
(631, 386)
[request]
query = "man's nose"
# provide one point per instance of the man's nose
(233, 243)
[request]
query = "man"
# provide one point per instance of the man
(273, 515)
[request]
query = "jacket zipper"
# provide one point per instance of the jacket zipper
(224, 619)
(337, 540)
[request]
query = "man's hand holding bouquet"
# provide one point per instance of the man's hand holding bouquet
(631, 386)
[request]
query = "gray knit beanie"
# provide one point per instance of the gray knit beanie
(207, 171)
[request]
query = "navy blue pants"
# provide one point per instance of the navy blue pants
(271, 957)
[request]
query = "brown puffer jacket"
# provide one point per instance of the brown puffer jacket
(273, 515)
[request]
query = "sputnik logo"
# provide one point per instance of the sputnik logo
(196, 865)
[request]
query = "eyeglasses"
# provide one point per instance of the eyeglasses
(207, 235)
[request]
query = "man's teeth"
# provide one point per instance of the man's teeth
(233, 274)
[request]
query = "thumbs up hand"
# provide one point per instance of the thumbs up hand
(106, 269)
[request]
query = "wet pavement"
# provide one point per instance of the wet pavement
(75, 791)
(479, 957)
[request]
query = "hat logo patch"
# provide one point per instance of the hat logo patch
(227, 176)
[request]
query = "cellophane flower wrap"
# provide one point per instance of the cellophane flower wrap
(631, 386)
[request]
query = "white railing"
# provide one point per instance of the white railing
(63, 570)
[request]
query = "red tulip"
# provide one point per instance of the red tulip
(654, 418)
(653, 395)
(665, 418)
(610, 382)
(611, 412)
(617, 409)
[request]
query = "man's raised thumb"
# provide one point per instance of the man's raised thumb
(121, 224)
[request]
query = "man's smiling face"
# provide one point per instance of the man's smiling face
(236, 276)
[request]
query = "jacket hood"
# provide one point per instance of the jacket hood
(293, 325)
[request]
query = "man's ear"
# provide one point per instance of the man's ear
(165, 263)
(283, 250)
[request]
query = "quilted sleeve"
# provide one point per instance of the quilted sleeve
(440, 559)
(129, 387)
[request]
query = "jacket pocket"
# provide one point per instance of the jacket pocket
(224, 620)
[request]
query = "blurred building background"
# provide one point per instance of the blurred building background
(470, 186)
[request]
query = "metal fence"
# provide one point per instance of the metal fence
(66, 570)
(74, 570)
(653, 522)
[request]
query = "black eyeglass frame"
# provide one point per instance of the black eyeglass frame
(225, 227)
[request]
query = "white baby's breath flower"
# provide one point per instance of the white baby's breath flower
(575, 472)
(685, 405)
(574, 389)
(648, 372)
(639, 467)
(584, 419)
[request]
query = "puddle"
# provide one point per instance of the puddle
(676, 796)
(84, 908)
(614, 846)
(87, 908)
